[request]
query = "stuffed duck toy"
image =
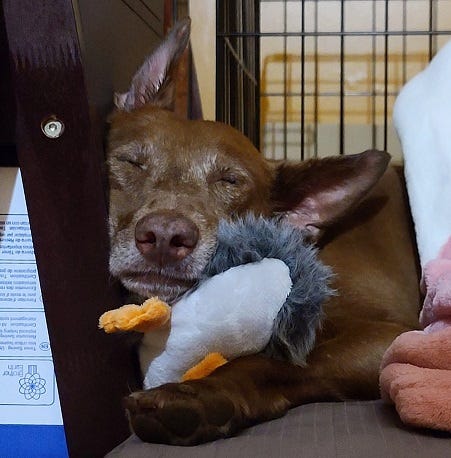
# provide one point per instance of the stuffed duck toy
(262, 290)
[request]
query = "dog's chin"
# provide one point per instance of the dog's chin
(167, 288)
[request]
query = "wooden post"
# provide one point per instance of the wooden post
(67, 210)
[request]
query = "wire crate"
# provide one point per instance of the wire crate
(312, 78)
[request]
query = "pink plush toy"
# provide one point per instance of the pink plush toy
(416, 369)
(436, 286)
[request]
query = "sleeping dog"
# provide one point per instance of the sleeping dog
(172, 180)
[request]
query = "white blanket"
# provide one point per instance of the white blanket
(422, 117)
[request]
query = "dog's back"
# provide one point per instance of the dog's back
(374, 257)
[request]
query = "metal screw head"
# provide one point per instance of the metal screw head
(52, 127)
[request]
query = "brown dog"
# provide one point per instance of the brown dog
(172, 180)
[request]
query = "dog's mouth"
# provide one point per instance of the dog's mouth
(156, 278)
(148, 284)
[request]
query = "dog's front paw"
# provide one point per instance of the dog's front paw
(182, 414)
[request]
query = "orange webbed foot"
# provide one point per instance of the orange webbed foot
(152, 314)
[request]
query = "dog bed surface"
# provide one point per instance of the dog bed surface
(354, 429)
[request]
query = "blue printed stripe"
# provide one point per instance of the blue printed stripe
(37, 441)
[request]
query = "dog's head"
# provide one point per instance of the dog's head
(172, 180)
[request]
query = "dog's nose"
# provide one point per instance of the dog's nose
(165, 237)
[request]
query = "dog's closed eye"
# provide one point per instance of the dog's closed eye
(229, 178)
(225, 177)
(135, 162)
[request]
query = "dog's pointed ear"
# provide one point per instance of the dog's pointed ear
(316, 194)
(154, 82)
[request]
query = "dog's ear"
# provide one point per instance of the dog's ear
(315, 194)
(154, 82)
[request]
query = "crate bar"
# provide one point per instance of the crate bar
(373, 80)
(285, 85)
(316, 84)
(386, 77)
(337, 33)
(303, 80)
(404, 42)
(342, 79)
(328, 94)
(431, 25)
(256, 45)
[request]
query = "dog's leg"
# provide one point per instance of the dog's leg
(254, 389)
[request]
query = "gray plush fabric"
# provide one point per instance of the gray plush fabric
(253, 238)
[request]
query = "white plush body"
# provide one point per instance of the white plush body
(422, 116)
(231, 313)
